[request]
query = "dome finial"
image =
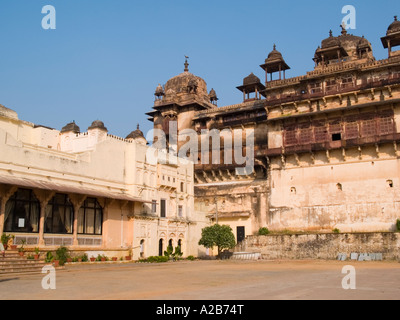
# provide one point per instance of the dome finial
(343, 26)
(274, 46)
(138, 126)
(186, 64)
(395, 18)
(330, 33)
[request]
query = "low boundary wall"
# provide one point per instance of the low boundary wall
(323, 246)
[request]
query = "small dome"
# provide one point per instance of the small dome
(8, 113)
(181, 82)
(71, 127)
(394, 27)
(159, 91)
(330, 42)
(363, 43)
(251, 79)
(347, 42)
(135, 134)
(274, 55)
(97, 125)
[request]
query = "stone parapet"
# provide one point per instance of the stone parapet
(323, 246)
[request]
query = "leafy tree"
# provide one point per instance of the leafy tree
(218, 236)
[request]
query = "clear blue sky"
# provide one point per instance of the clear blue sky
(106, 57)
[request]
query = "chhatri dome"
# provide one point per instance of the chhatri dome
(97, 125)
(183, 90)
(186, 82)
(135, 134)
(343, 48)
(394, 27)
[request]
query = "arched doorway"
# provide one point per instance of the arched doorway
(180, 245)
(142, 248)
(161, 247)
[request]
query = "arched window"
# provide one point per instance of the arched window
(160, 247)
(142, 248)
(22, 212)
(59, 215)
(180, 244)
(90, 218)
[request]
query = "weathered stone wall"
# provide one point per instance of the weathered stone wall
(351, 195)
(323, 246)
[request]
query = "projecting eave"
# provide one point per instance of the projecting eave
(333, 110)
(393, 38)
(67, 188)
(275, 66)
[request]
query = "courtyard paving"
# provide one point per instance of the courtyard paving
(210, 280)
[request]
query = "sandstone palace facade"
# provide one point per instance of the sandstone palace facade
(326, 143)
(325, 155)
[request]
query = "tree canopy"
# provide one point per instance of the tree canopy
(218, 236)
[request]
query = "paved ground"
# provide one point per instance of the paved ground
(211, 280)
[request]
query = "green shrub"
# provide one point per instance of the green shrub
(101, 256)
(169, 251)
(191, 258)
(155, 259)
(398, 225)
(49, 257)
(84, 258)
(336, 230)
(178, 253)
(62, 254)
(5, 239)
(263, 232)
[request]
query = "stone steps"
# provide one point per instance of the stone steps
(14, 264)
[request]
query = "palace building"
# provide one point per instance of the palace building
(326, 156)
(63, 188)
(326, 144)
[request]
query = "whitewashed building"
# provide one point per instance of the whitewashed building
(92, 191)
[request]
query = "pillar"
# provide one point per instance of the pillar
(2, 211)
(280, 72)
(44, 197)
(77, 201)
(389, 48)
